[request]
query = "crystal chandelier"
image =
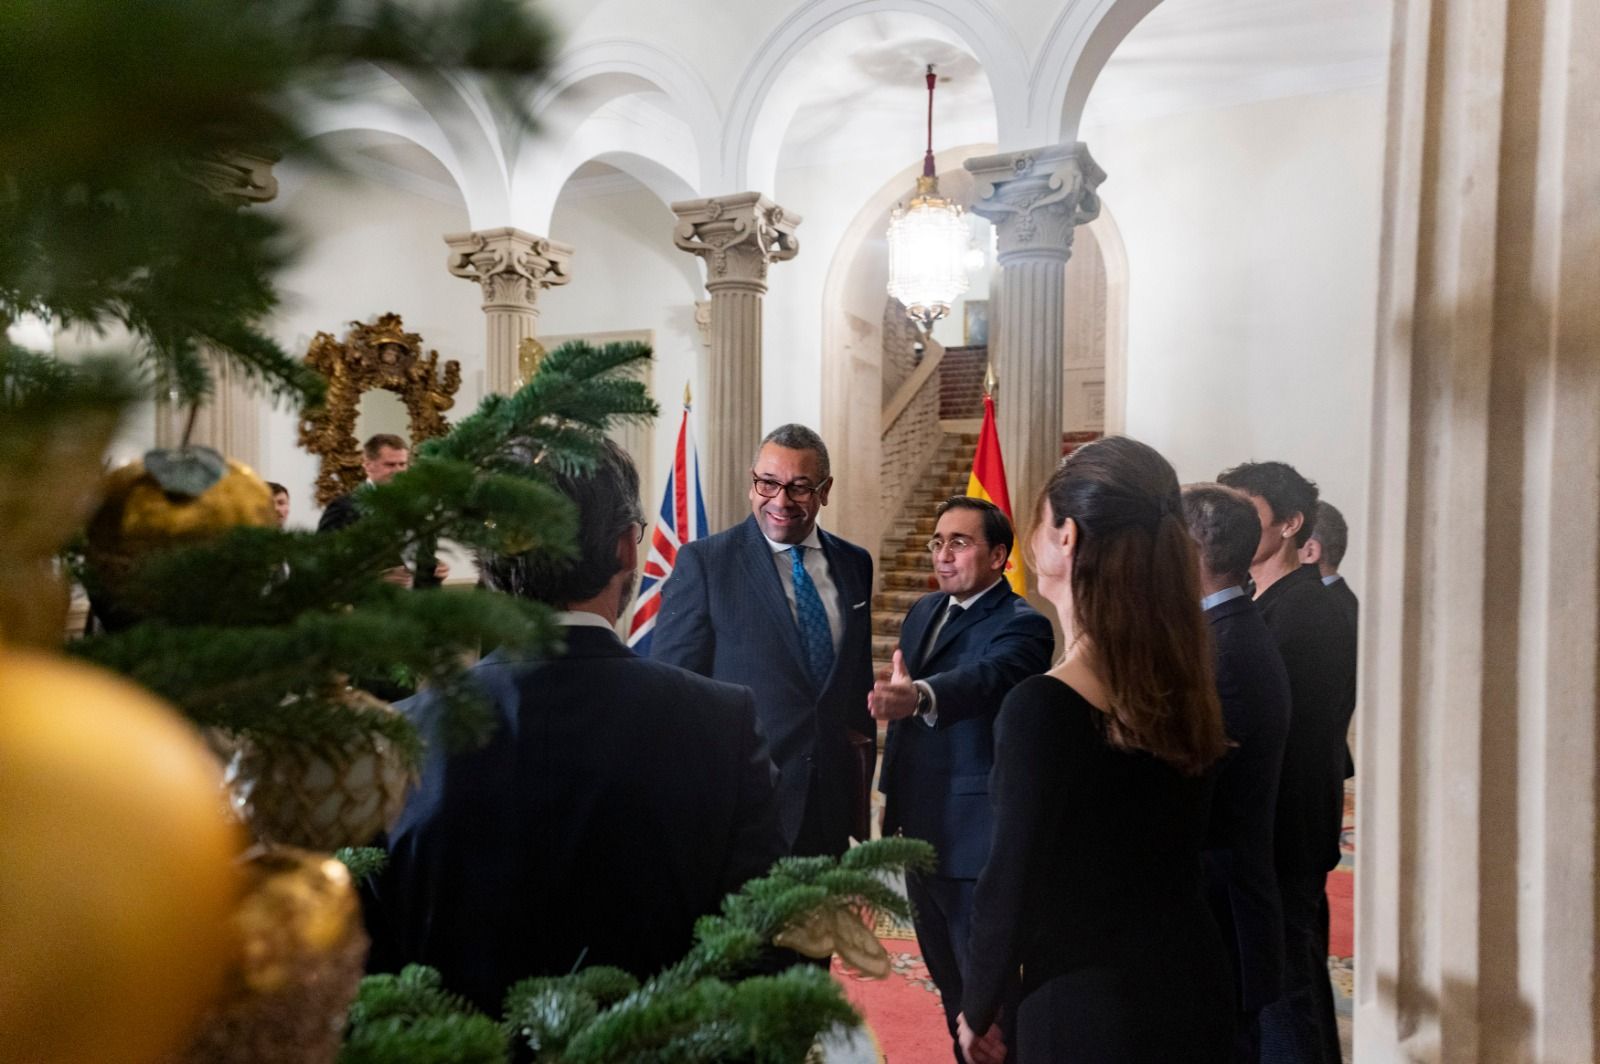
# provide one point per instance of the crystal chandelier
(928, 242)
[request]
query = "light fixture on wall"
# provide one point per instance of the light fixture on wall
(928, 241)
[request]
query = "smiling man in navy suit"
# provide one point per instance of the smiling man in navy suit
(777, 605)
(962, 648)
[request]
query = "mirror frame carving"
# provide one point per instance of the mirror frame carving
(376, 354)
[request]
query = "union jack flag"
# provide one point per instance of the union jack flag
(683, 518)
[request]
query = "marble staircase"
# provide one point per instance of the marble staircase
(903, 561)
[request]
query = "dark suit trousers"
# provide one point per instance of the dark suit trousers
(943, 919)
(1300, 1027)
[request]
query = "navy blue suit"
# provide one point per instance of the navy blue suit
(1240, 878)
(724, 615)
(618, 801)
(936, 779)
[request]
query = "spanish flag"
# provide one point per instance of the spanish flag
(988, 481)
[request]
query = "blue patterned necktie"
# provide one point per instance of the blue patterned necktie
(816, 640)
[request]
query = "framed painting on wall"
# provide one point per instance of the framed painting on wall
(975, 323)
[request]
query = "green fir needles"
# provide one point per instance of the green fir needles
(256, 632)
(720, 1003)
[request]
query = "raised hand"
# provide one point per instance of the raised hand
(893, 696)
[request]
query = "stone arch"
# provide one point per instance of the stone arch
(443, 121)
(852, 367)
(1079, 43)
(658, 68)
(581, 113)
(746, 163)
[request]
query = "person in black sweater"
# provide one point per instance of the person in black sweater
(1319, 652)
(1092, 899)
(1240, 875)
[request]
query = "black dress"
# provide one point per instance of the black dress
(1093, 892)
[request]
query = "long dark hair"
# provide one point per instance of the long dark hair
(1136, 596)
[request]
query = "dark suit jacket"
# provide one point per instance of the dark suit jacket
(1346, 597)
(344, 512)
(724, 615)
(1241, 881)
(618, 801)
(936, 780)
(1319, 653)
(339, 513)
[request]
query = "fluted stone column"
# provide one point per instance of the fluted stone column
(1476, 868)
(512, 267)
(737, 236)
(1035, 199)
(229, 420)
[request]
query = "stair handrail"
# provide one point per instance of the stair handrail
(926, 370)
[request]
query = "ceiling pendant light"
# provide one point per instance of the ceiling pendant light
(928, 242)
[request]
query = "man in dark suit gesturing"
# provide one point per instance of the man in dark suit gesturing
(618, 800)
(782, 607)
(961, 649)
(1241, 881)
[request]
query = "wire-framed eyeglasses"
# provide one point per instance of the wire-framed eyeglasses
(955, 544)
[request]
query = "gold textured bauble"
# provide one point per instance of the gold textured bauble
(318, 797)
(136, 516)
(117, 879)
(300, 963)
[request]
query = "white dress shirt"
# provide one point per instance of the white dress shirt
(816, 564)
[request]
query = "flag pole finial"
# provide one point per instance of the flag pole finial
(989, 379)
(687, 397)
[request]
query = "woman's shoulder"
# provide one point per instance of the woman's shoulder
(1046, 697)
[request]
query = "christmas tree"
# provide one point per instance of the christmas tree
(127, 134)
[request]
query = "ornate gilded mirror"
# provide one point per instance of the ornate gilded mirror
(374, 360)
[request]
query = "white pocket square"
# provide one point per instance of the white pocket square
(860, 605)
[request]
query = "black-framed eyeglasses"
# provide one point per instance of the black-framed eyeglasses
(798, 490)
(639, 538)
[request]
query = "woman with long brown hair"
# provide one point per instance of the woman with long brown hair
(1092, 896)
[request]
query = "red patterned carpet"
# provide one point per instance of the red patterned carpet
(907, 1022)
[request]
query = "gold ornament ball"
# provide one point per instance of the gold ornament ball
(118, 881)
(137, 512)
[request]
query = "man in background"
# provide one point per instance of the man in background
(1319, 654)
(617, 801)
(1241, 881)
(778, 605)
(280, 502)
(383, 456)
(1330, 537)
(962, 648)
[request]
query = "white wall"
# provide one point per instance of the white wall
(1252, 241)
(368, 249)
(627, 275)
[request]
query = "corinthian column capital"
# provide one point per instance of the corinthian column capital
(737, 236)
(512, 266)
(1035, 198)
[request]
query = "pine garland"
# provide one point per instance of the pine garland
(710, 1007)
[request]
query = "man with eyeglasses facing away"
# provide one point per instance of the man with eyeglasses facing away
(777, 605)
(962, 648)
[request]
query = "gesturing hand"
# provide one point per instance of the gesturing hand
(987, 1048)
(893, 695)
